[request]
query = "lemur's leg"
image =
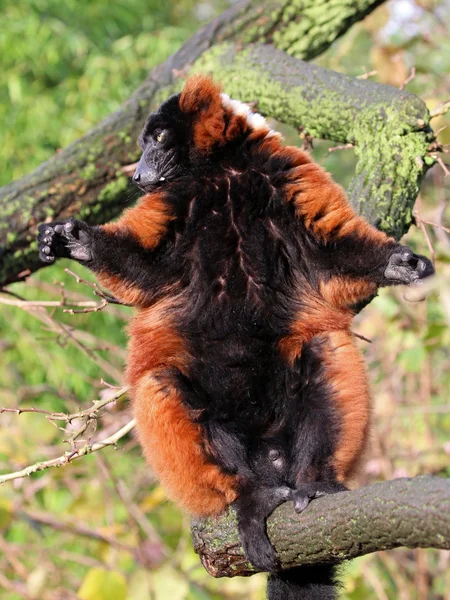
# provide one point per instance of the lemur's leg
(253, 506)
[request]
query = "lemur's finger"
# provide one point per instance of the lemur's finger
(47, 258)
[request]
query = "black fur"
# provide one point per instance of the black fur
(309, 583)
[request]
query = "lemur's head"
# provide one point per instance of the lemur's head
(189, 128)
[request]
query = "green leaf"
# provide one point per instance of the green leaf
(100, 584)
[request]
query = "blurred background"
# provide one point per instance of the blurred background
(101, 528)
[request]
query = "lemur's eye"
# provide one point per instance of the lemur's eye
(160, 137)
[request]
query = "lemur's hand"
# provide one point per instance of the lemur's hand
(406, 267)
(65, 239)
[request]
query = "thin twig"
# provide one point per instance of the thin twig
(408, 79)
(10, 293)
(344, 147)
(92, 411)
(90, 305)
(442, 165)
(129, 170)
(68, 457)
(98, 291)
(440, 110)
(66, 332)
(366, 75)
(100, 306)
(420, 223)
(361, 337)
(433, 224)
(133, 509)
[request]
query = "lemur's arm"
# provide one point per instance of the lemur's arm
(354, 258)
(121, 254)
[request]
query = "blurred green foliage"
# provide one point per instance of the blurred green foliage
(65, 66)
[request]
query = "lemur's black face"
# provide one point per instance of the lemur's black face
(163, 143)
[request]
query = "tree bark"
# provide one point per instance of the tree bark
(86, 179)
(404, 512)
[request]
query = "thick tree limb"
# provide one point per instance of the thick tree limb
(86, 179)
(405, 512)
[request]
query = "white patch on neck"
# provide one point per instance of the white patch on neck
(254, 120)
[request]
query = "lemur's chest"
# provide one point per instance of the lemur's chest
(229, 234)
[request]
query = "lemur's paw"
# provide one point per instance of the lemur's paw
(65, 239)
(259, 551)
(305, 492)
(406, 267)
(253, 507)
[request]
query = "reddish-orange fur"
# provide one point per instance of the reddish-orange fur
(342, 291)
(173, 447)
(170, 439)
(123, 291)
(146, 222)
(346, 374)
(201, 97)
(322, 204)
(315, 316)
(154, 341)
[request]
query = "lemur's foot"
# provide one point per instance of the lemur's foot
(65, 239)
(406, 267)
(259, 551)
(253, 508)
(305, 492)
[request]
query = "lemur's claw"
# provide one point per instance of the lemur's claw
(305, 492)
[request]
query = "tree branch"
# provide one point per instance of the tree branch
(404, 512)
(83, 419)
(86, 179)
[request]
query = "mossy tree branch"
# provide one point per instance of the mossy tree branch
(86, 179)
(405, 512)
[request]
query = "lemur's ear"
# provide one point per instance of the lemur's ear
(199, 93)
(201, 100)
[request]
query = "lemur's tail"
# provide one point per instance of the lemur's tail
(304, 583)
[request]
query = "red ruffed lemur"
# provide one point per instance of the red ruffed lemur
(246, 263)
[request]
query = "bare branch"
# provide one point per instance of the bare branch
(408, 79)
(91, 412)
(68, 457)
(343, 147)
(440, 110)
(98, 291)
(367, 75)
